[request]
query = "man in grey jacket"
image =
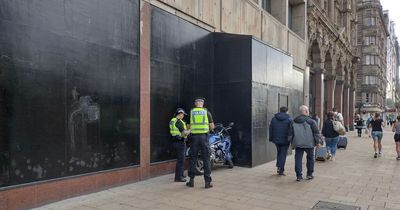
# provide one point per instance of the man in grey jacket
(304, 136)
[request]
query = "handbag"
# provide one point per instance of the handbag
(338, 127)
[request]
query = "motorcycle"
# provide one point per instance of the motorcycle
(219, 145)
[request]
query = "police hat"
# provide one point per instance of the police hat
(180, 110)
(202, 99)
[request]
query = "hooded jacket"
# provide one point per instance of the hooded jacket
(279, 128)
(306, 137)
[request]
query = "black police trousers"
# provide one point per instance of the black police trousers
(200, 143)
(180, 148)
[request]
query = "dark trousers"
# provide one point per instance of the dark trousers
(180, 148)
(200, 143)
(359, 131)
(298, 157)
(282, 150)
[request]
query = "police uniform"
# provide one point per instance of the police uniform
(199, 125)
(177, 126)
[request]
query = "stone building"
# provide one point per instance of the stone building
(392, 61)
(371, 72)
(332, 56)
(87, 87)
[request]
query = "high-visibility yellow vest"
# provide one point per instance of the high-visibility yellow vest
(199, 121)
(173, 130)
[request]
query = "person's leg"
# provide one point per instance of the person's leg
(205, 155)
(278, 154)
(193, 153)
(380, 135)
(398, 148)
(180, 159)
(298, 158)
(284, 151)
(334, 145)
(359, 132)
(310, 162)
(375, 140)
(328, 145)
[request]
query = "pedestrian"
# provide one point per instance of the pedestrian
(359, 125)
(396, 129)
(304, 136)
(376, 125)
(317, 119)
(179, 133)
(201, 123)
(338, 116)
(331, 136)
(368, 130)
(278, 134)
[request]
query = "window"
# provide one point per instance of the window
(283, 100)
(290, 17)
(367, 97)
(371, 60)
(369, 21)
(370, 40)
(370, 80)
(266, 5)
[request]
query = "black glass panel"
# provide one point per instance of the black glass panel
(69, 88)
(181, 69)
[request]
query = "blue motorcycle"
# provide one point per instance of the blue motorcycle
(220, 144)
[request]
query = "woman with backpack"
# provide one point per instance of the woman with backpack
(376, 126)
(331, 136)
(396, 129)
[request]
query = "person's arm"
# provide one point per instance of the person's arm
(270, 131)
(180, 126)
(317, 135)
(210, 121)
(290, 133)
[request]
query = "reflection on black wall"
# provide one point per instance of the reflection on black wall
(69, 88)
(181, 69)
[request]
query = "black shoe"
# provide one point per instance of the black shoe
(230, 163)
(299, 179)
(310, 177)
(278, 170)
(281, 174)
(208, 185)
(190, 183)
(180, 179)
(376, 155)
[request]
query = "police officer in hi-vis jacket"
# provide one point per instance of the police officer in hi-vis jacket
(201, 123)
(179, 135)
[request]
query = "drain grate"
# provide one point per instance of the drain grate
(323, 205)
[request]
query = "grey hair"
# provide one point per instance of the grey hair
(303, 108)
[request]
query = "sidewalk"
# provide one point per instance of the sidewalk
(355, 178)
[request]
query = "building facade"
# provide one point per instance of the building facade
(392, 69)
(332, 56)
(372, 42)
(87, 90)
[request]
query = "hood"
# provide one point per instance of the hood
(301, 119)
(282, 116)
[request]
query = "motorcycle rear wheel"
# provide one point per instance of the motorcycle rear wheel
(200, 167)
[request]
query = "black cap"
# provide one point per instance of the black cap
(180, 110)
(199, 99)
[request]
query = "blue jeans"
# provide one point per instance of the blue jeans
(377, 135)
(298, 158)
(281, 150)
(331, 144)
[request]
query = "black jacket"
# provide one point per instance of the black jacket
(279, 128)
(328, 131)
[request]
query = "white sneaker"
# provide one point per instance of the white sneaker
(333, 158)
(380, 154)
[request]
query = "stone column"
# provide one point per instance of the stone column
(351, 107)
(331, 10)
(339, 95)
(306, 86)
(345, 112)
(319, 94)
(330, 84)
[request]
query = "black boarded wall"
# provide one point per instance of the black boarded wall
(181, 69)
(69, 88)
(252, 80)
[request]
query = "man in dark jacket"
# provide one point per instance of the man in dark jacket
(278, 134)
(304, 136)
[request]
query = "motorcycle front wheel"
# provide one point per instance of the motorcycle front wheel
(200, 167)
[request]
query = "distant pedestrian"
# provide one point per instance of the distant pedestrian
(278, 134)
(179, 135)
(359, 125)
(368, 130)
(377, 133)
(331, 136)
(338, 116)
(317, 119)
(396, 129)
(304, 136)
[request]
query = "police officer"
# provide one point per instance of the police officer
(201, 123)
(179, 134)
